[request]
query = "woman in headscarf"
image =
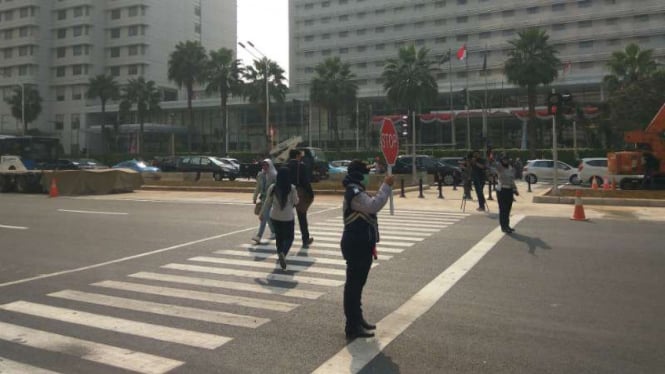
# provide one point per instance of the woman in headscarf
(281, 199)
(264, 179)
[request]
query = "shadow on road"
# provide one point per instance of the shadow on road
(532, 243)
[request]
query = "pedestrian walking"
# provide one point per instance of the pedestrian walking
(361, 233)
(264, 179)
(506, 189)
(478, 177)
(517, 165)
(282, 198)
(300, 177)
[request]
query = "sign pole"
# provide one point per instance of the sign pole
(392, 203)
(390, 148)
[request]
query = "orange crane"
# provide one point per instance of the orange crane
(651, 140)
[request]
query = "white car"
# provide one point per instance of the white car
(536, 170)
(592, 167)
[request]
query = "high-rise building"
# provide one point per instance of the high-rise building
(365, 33)
(58, 45)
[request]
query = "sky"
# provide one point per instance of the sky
(266, 24)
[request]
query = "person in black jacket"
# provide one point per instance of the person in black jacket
(300, 177)
(361, 233)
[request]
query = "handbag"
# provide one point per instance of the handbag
(257, 208)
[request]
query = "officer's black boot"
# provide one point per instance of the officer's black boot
(358, 332)
(366, 325)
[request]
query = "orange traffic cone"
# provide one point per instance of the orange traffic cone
(594, 183)
(578, 213)
(53, 191)
(606, 184)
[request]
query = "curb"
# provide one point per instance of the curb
(570, 200)
(249, 189)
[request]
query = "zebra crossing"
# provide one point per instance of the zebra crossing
(209, 288)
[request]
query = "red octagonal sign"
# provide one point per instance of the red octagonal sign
(389, 141)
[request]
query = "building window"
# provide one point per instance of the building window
(62, 33)
(23, 32)
(343, 34)
(586, 65)
(558, 7)
(325, 20)
(77, 50)
(76, 93)
(22, 70)
(133, 50)
(642, 18)
(197, 28)
(59, 122)
(532, 10)
(584, 3)
(485, 35)
(115, 71)
(559, 26)
(343, 51)
(361, 31)
(398, 26)
(440, 4)
(115, 33)
(76, 121)
(134, 11)
(508, 32)
(78, 30)
(584, 24)
(361, 48)
(440, 22)
(380, 47)
(62, 14)
(485, 16)
(133, 31)
(60, 94)
(309, 22)
(586, 44)
(344, 17)
(133, 70)
(77, 70)
(325, 36)
(462, 19)
(440, 40)
(115, 14)
(611, 21)
(462, 38)
(380, 29)
(309, 54)
(508, 13)
(309, 38)
(78, 11)
(461, 2)
(325, 52)
(23, 12)
(325, 4)
(60, 52)
(115, 52)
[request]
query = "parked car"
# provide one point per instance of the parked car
(536, 170)
(590, 168)
(332, 169)
(136, 165)
(208, 164)
(89, 163)
(403, 164)
(232, 161)
(167, 163)
(340, 163)
(451, 170)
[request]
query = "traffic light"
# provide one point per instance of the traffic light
(567, 103)
(554, 101)
(405, 128)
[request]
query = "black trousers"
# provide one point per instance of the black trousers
(304, 226)
(358, 258)
(505, 197)
(284, 233)
(479, 185)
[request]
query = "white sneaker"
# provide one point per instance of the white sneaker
(256, 240)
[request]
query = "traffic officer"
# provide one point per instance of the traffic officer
(506, 188)
(361, 233)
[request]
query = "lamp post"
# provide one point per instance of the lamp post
(265, 59)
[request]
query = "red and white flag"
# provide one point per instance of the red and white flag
(461, 53)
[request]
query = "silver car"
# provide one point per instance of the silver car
(536, 170)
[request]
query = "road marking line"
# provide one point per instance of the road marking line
(317, 244)
(384, 228)
(296, 258)
(357, 354)
(93, 212)
(13, 227)
(316, 249)
(338, 235)
(218, 298)
(207, 282)
(266, 265)
(336, 239)
(96, 352)
(128, 258)
(408, 224)
(163, 309)
(421, 213)
(256, 275)
(339, 225)
(125, 326)
(9, 366)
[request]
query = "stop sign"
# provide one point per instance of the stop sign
(389, 141)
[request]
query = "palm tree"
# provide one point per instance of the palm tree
(144, 96)
(255, 86)
(32, 105)
(224, 76)
(629, 66)
(531, 61)
(187, 66)
(333, 88)
(409, 81)
(105, 88)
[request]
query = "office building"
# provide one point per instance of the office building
(58, 45)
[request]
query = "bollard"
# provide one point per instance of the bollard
(440, 189)
(402, 189)
(528, 183)
(490, 188)
(420, 187)
(454, 183)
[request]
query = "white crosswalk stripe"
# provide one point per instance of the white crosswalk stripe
(256, 275)
(206, 282)
(265, 265)
(402, 233)
(319, 234)
(316, 250)
(96, 352)
(218, 298)
(9, 366)
(336, 239)
(162, 309)
(339, 225)
(321, 243)
(98, 321)
(296, 258)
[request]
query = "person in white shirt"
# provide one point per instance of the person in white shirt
(264, 179)
(282, 198)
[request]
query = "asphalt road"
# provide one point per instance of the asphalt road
(114, 286)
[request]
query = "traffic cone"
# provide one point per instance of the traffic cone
(606, 184)
(578, 213)
(53, 191)
(594, 183)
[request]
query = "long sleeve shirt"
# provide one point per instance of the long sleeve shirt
(506, 176)
(277, 213)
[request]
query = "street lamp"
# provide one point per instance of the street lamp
(265, 59)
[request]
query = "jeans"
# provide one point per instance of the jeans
(262, 225)
(505, 197)
(284, 233)
(479, 184)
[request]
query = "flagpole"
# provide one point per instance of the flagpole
(452, 110)
(466, 106)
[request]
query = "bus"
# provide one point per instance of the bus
(35, 152)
